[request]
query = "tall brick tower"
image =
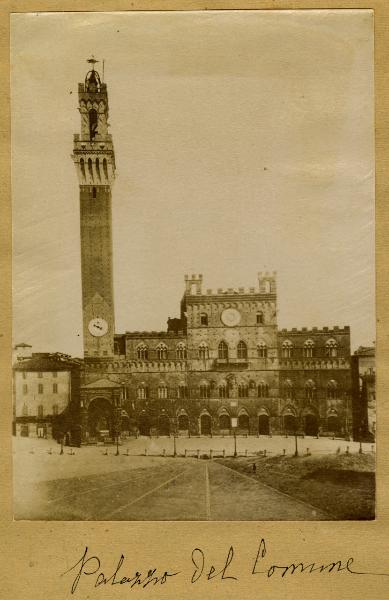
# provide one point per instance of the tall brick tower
(94, 158)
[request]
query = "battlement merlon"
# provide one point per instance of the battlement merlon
(150, 334)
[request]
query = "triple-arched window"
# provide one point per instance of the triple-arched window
(263, 390)
(331, 348)
(183, 391)
(142, 352)
(161, 351)
(308, 349)
(181, 351)
(142, 392)
(162, 391)
(287, 349)
(203, 351)
(243, 390)
(242, 350)
(223, 390)
(222, 350)
(205, 390)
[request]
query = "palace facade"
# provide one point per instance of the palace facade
(222, 364)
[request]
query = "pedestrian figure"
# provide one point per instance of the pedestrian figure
(254, 468)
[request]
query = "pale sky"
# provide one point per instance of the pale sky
(244, 142)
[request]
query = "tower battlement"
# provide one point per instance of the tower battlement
(335, 329)
(267, 285)
(193, 284)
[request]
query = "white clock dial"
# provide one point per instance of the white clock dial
(98, 327)
(230, 317)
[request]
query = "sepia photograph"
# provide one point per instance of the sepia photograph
(193, 266)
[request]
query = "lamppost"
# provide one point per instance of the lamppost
(360, 440)
(234, 425)
(347, 434)
(296, 452)
(174, 442)
(118, 415)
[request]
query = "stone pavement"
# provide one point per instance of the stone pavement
(160, 489)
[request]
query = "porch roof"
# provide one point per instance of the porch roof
(100, 384)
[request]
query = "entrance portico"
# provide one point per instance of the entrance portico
(100, 403)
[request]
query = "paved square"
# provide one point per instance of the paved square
(92, 483)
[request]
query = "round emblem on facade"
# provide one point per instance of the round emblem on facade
(230, 317)
(98, 327)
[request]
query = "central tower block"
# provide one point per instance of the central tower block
(94, 159)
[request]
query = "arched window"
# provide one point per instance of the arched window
(142, 352)
(223, 390)
(260, 318)
(262, 350)
(308, 349)
(288, 389)
(183, 392)
(82, 165)
(162, 352)
(203, 351)
(203, 319)
(287, 348)
(92, 123)
(142, 392)
(331, 348)
(310, 390)
(243, 390)
(90, 169)
(105, 168)
(25, 410)
(263, 390)
(223, 350)
(40, 411)
(181, 351)
(242, 350)
(55, 410)
(205, 391)
(332, 390)
(162, 392)
(98, 168)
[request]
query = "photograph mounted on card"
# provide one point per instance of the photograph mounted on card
(193, 266)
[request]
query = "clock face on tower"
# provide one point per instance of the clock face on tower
(98, 327)
(230, 317)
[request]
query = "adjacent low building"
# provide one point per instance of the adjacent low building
(46, 395)
(364, 393)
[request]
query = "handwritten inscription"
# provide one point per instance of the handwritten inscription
(202, 569)
(91, 566)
